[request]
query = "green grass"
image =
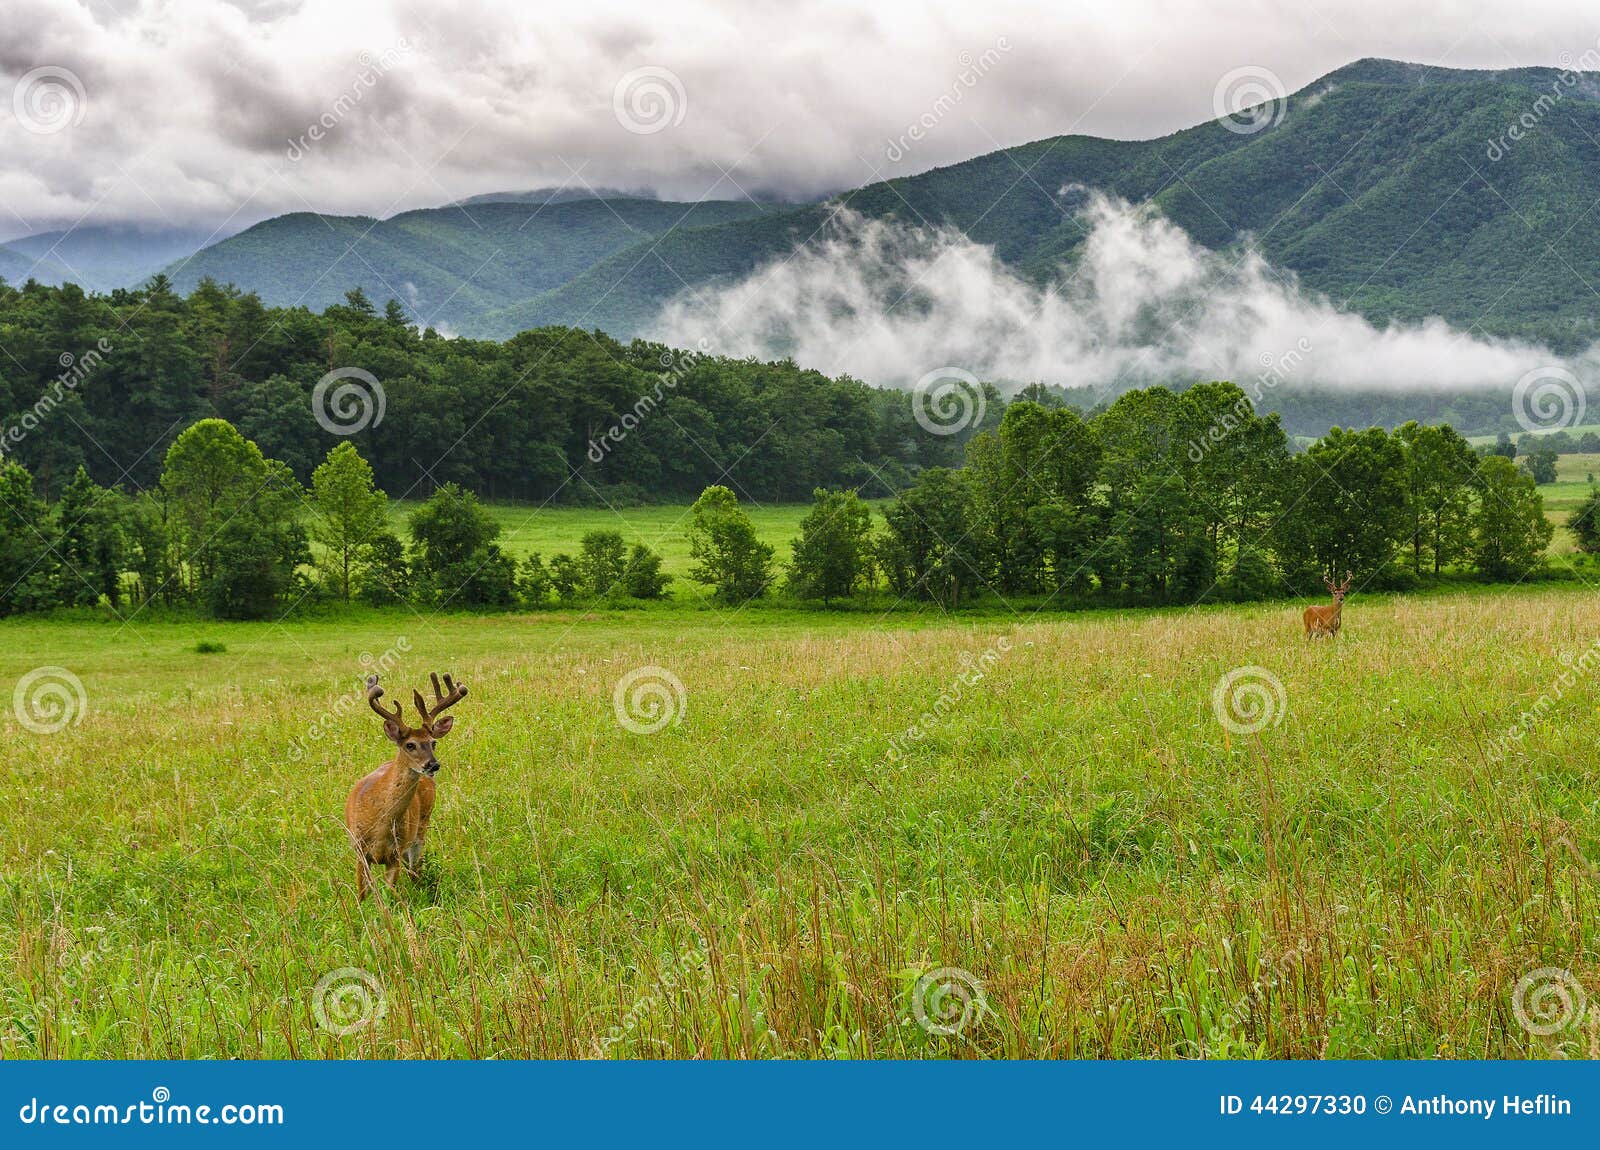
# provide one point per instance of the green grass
(663, 528)
(769, 875)
(1561, 497)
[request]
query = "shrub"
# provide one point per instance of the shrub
(533, 584)
(834, 552)
(728, 556)
(603, 561)
(383, 576)
(1584, 522)
(644, 578)
(566, 577)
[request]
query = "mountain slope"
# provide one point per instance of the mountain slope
(445, 265)
(1392, 188)
(1375, 187)
(98, 257)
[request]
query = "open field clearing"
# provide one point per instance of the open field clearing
(1054, 810)
(663, 528)
(1571, 487)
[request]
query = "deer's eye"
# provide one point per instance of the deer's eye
(411, 746)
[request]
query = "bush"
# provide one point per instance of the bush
(644, 578)
(253, 571)
(383, 577)
(834, 552)
(603, 561)
(454, 557)
(1541, 464)
(1584, 522)
(533, 585)
(566, 577)
(1509, 528)
(728, 556)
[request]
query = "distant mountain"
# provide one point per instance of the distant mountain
(447, 265)
(1392, 188)
(99, 257)
(1376, 187)
(559, 195)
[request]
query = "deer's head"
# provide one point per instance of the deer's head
(1338, 590)
(416, 744)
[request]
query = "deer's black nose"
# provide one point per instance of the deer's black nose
(433, 767)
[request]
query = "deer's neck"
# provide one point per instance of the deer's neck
(399, 787)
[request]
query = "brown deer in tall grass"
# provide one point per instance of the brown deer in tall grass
(387, 812)
(1325, 620)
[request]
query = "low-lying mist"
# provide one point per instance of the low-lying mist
(1143, 303)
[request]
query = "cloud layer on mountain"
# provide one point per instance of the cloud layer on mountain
(1141, 303)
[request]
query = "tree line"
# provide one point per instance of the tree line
(1162, 497)
(107, 382)
(1168, 497)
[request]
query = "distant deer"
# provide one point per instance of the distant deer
(1325, 620)
(387, 812)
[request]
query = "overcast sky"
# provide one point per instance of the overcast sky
(202, 111)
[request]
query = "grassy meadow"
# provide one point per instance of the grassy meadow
(1572, 485)
(525, 528)
(1047, 817)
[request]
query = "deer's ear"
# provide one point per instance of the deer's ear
(441, 726)
(392, 729)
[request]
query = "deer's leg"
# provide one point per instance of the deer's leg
(413, 858)
(392, 873)
(363, 878)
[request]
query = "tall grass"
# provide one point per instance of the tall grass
(1119, 874)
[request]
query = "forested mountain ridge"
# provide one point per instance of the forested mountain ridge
(1376, 187)
(445, 265)
(1394, 189)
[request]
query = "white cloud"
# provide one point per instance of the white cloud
(1144, 303)
(191, 103)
